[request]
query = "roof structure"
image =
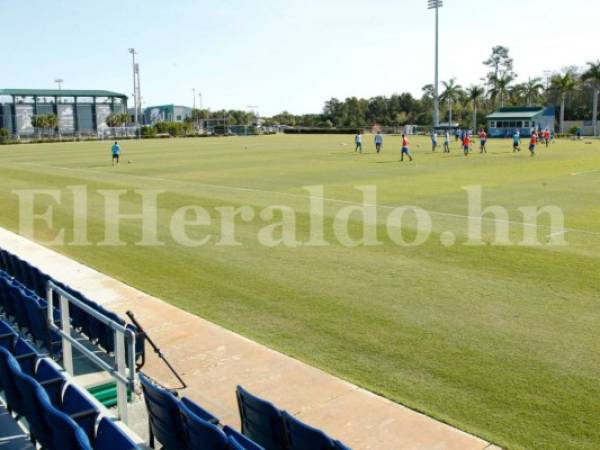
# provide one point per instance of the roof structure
(517, 113)
(61, 93)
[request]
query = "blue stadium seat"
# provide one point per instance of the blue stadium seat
(261, 421)
(201, 434)
(304, 437)
(164, 418)
(70, 435)
(8, 364)
(7, 335)
(82, 410)
(30, 392)
(9, 300)
(237, 441)
(26, 354)
(110, 437)
(341, 446)
(199, 411)
(51, 379)
(37, 311)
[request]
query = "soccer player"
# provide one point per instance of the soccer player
(533, 142)
(547, 137)
(434, 141)
(517, 141)
(466, 144)
(447, 142)
(358, 142)
(405, 150)
(378, 141)
(483, 141)
(116, 152)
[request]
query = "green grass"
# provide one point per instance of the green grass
(502, 342)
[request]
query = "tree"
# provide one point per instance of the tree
(452, 93)
(475, 94)
(592, 77)
(500, 63)
(532, 89)
(45, 122)
(500, 87)
(563, 85)
(118, 119)
(285, 118)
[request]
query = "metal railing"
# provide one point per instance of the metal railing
(123, 373)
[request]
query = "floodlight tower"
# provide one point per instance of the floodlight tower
(436, 4)
(136, 87)
(59, 82)
(254, 110)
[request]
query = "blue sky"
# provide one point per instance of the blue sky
(280, 55)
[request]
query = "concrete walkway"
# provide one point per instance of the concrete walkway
(214, 361)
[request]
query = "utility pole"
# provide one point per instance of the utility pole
(436, 4)
(59, 82)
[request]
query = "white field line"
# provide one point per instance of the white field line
(558, 233)
(307, 197)
(586, 172)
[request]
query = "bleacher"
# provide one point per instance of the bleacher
(56, 413)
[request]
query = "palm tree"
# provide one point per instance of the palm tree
(500, 86)
(452, 93)
(563, 85)
(592, 77)
(475, 94)
(532, 89)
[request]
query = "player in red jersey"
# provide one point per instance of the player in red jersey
(483, 141)
(466, 143)
(533, 142)
(547, 136)
(405, 150)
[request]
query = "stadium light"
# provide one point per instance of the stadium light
(436, 4)
(136, 87)
(59, 82)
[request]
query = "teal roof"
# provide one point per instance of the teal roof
(61, 93)
(516, 113)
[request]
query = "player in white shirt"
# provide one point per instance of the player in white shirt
(378, 141)
(358, 142)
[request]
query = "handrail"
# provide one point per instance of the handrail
(124, 372)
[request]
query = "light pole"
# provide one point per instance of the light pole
(547, 74)
(59, 82)
(200, 97)
(436, 4)
(136, 87)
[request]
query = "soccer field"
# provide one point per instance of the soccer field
(502, 341)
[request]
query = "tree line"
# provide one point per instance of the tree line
(574, 91)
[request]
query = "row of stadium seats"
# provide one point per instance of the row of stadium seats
(30, 313)
(184, 425)
(175, 424)
(59, 415)
(32, 283)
